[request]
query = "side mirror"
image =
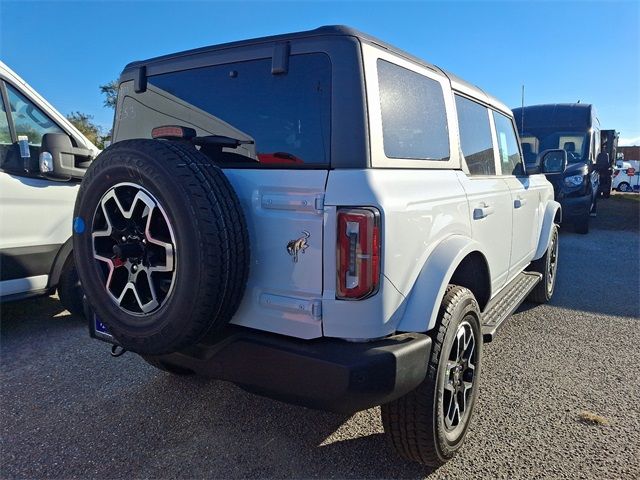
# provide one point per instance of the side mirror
(602, 162)
(60, 160)
(552, 161)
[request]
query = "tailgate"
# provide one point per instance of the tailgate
(284, 210)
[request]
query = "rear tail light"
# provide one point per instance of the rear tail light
(358, 258)
(615, 173)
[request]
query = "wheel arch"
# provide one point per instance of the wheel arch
(552, 215)
(457, 259)
(65, 252)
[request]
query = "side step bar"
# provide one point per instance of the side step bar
(506, 302)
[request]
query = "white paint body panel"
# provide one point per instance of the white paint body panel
(282, 296)
(35, 211)
(419, 208)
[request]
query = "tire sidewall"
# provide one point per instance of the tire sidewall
(554, 238)
(121, 165)
(467, 309)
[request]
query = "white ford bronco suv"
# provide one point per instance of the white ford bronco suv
(320, 218)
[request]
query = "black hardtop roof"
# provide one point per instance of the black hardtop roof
(327, 30)
(324, 31)
(556, 115)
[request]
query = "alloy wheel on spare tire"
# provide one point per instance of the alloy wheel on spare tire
(161, 244)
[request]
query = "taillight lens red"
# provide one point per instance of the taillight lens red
(358, 259)
(615, 173)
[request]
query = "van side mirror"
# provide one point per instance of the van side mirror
(552, 161)
(60, 160)
(602, 162)
(532, 168)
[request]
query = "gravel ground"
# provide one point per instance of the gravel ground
(68, 410)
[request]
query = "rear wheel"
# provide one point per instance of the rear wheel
(548, 267)
(428, 425)
(624, 187)
(161, 245)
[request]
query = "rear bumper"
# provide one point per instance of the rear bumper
(326, 374)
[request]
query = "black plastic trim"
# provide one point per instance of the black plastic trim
(23, 262)
(326, 374)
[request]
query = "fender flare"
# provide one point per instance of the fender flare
(423, 301)
(65, 251)
(548, 220)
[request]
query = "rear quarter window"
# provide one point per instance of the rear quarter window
(414, 118)
(288, 116)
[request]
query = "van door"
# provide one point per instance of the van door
(35, 213)
(488, 195)
(279, 171)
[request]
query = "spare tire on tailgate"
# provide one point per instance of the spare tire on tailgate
(161, 244)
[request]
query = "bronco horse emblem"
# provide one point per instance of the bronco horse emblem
(299, 245)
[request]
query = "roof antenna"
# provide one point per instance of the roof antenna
(522, 111)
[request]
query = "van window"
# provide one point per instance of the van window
(287, 116)
(510, 159)
(414, 118)
(28, 119)
(475, 136)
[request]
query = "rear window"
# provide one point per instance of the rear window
(288, 116)
(414, 118)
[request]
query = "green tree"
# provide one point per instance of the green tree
(110, 90)
(84, 123)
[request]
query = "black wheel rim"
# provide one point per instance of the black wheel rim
(552, 264)
(460, 379)
(134, 245)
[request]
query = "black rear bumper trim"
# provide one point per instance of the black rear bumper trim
(326, 374)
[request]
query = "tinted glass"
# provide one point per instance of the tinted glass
(414, 118)
(28, 119)
(510, 158)
(475, 137)
(287, 116)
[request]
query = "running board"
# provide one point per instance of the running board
(506, 302)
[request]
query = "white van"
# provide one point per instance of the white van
(37, 194)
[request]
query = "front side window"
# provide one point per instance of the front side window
(286, 118)
(475, 136)
(28, 119)
(414, 117)
(510, 159)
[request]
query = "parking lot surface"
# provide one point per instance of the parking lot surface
(69, 410)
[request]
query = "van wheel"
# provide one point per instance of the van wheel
(547, 265)
(161, 245)
(69, 288)
(428, 425)
(624, 187)
(582, 225)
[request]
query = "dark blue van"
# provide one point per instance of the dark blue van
(574, 128)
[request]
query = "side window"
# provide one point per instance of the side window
(28, 119)
(475, 136)
(414, 118)
(510, 158)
